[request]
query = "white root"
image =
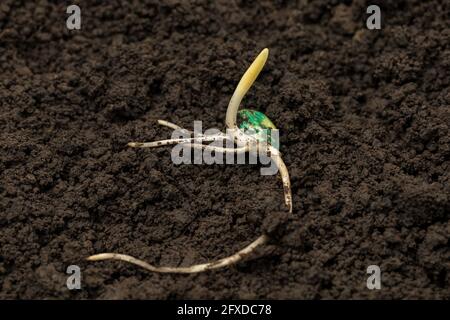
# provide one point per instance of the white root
(276, 157)
(238, 150)
(161, 143)
(224, 262)
(196, 138)
(172, 125)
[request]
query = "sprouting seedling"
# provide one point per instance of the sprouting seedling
(245, 141)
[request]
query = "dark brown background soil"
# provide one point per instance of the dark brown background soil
(364, 118)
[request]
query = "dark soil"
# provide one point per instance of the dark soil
(364, 118)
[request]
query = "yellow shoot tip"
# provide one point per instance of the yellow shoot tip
(252, 72)
(244, 85)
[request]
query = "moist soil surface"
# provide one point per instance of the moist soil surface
(364, 127)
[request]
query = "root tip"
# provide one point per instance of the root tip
(135, 144)
(98, 257)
